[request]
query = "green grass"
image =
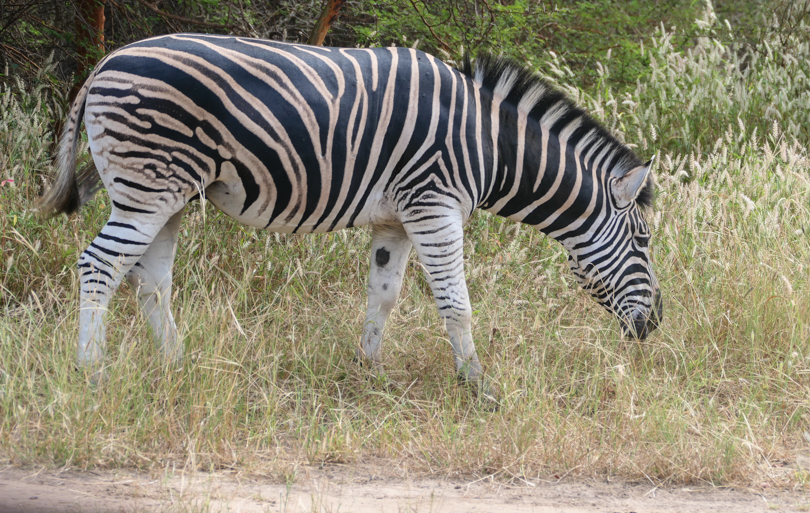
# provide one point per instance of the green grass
(718, 394)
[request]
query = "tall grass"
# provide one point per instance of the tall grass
(718, 394)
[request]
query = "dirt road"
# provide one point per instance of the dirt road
(360, 490)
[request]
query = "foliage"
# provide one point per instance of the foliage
(31, 30)
(580, 33)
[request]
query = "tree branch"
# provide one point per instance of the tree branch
(154, 8)
(444, 45)
(328, 15)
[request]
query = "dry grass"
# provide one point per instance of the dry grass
(719, 394)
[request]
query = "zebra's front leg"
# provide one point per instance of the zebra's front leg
(151, 277)
(439, 243)
(390, 247)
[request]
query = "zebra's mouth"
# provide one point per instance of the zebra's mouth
(644, 320)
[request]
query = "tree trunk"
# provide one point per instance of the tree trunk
(328, 15)
(89, 32)
(89, 38)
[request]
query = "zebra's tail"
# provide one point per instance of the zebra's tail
(71, 190)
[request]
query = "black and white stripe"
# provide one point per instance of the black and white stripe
(303, 139)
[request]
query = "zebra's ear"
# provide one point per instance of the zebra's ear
(627, 188)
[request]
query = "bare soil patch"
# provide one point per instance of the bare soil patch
(360, 490)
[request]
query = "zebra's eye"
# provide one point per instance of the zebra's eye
(642, 242)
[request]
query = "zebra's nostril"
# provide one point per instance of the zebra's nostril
(642, 322)
(642, 328)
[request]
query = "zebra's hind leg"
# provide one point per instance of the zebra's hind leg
(151, 277)
(102, 266)
(390, 247)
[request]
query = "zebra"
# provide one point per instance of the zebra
(302, 139)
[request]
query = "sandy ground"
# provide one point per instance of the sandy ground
(360, 490)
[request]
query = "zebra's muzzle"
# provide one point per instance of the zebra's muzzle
(645, 322)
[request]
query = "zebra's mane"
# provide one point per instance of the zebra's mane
(527, 91)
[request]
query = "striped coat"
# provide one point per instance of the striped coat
(293, 138)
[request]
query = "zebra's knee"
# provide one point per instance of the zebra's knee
(458, 319)
(462, 315)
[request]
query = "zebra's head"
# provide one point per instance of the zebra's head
(612, 260)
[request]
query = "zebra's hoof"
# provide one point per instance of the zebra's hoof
(488, 396)
(486, 393)
(364, 362)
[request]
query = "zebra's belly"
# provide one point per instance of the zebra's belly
(229, 196)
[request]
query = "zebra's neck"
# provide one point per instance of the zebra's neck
(547, 174)
(550, 160)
